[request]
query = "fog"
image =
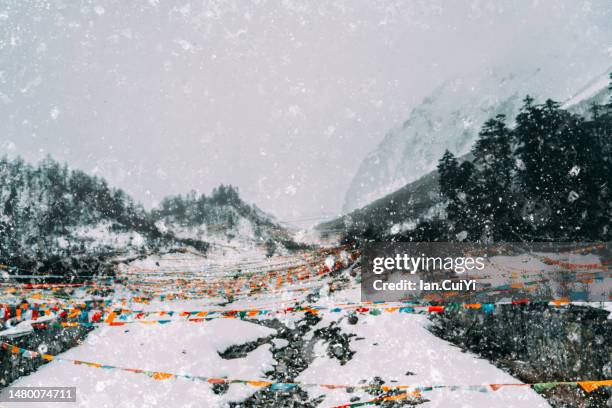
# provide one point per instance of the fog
(282, 99)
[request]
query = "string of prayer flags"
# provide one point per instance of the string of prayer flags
(587, 386)
(415, 395)
(85, 315)
(409, 390)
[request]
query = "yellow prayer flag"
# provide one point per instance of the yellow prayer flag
(161, 376)
(559, 302)
(590, 386)
(259, 383)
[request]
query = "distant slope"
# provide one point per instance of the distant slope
(596, 92)
(223, 217)
(394, 212)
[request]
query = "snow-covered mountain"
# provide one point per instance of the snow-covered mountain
(419, 200)
(450, 118)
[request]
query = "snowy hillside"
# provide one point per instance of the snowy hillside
(450, 118)
(55, 219)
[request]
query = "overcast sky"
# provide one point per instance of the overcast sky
(280, 98)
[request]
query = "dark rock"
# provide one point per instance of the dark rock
(338, 343)
(220, 388)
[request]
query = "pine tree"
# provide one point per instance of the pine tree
(493, 177)
(555, 166)
(448, 169)
(539, 137)
(597, 177)
(456, 188)
(609, 106)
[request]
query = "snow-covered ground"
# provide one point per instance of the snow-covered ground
(396, 344)
(396, 347)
